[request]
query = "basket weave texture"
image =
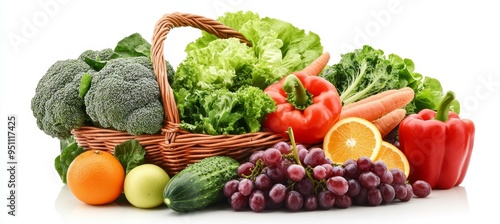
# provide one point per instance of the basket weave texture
(174, 148)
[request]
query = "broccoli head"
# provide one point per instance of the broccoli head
(99, 55)
(57, 105)
(170, 73)
(97, 59)
(125, 95)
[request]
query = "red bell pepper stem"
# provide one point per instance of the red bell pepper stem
(297, 94)
(444, 107)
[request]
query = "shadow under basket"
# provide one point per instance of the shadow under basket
(174, 148)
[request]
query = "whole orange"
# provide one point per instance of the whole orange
(96, 177)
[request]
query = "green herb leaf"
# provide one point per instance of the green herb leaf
(130, 154)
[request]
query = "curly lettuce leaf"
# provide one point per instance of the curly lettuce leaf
(213, 66)
(256, 107)
(221, 111)
(233, 20)
(278, 49)
(236, 20)
(429, 95)
(298, 46)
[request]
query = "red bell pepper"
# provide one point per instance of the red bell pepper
(308, 104)
(438, 145)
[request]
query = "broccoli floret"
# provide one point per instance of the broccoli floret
(57, 106)
(97, 59)
(125, 95)
(102, 55)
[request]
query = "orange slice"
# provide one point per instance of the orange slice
(393, 158)
(351, 138)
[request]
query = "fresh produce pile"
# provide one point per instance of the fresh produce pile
(218, 86)
(367, 130)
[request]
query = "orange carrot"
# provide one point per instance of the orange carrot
(386, 123)
(317, 65)
(380, 107)
(375, 97)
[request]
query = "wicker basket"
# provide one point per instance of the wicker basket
(174, 148)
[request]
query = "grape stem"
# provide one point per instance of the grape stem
(294, 146)
(259, 165)
(295, 153)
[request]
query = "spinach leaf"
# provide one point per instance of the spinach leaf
(133, 46)
(130, 154)
(69, 151)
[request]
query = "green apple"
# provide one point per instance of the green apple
(144, 185)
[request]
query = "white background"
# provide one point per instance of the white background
(454, 41)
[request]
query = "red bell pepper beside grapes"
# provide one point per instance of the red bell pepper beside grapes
(438, 145)
(309, 104)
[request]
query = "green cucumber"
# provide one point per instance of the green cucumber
(200, 184)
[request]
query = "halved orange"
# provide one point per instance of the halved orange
(351, 138)
(393, 157)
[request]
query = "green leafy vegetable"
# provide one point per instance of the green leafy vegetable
(214, 66)
(429, 94)
(299, 48)
(69, 151)
(224, 112)
(368, 71)
(278, 49)
(133, 46)
(130, 154)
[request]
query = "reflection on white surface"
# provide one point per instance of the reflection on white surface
(449, 204)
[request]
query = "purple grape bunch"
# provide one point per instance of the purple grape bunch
(296, 178)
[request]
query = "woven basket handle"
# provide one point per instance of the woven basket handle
(163, 26)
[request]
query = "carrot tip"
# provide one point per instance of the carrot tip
(317, 65)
